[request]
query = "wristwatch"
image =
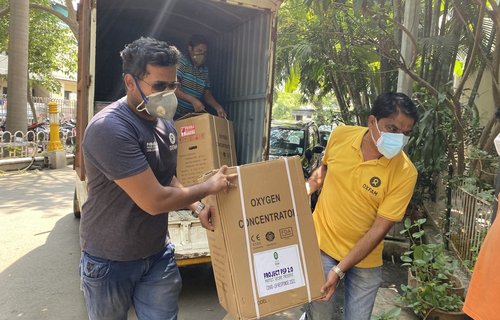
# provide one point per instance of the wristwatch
(339, 272)
(198, 209)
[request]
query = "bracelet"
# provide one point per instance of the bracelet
(339, 272)
(198, 209)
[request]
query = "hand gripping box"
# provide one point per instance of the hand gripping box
(264, 249)
(206, 142)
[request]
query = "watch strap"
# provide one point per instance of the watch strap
(198, 209)
(339, 272)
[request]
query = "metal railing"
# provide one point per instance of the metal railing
(469, 222)
(21, 145)
(67, 109)
(32, 143)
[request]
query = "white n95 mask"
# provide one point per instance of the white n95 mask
(160, 104)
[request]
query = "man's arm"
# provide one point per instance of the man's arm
(210, 100)
(197, 104)
(363, 247)
(205, 215)
(152, 197)
(316, 179)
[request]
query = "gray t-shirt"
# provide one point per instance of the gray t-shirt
(118, 144)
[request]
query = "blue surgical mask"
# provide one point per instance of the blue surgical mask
(390, 144)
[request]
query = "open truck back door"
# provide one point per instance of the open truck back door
(241, 37)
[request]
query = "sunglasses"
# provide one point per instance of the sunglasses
(160, 86)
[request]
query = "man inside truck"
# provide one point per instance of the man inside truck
(367, 182)
(195, 83)
(130, 153)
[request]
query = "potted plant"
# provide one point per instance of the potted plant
(432, 291)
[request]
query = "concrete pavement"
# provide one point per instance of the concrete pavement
(39, 249)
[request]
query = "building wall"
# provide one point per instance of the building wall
(68, 84)
(484, 100)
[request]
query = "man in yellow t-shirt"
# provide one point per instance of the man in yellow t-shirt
(367, 183)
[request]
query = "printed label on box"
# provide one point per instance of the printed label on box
(187, 130)
(278, 270)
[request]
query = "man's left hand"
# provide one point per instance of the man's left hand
(330, 285)
(206, 217)
(221, 113)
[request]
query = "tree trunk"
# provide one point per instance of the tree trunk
(30, 102)
(408, 52)
(17, 116)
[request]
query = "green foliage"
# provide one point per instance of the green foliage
(391, 314)
(429, 145)
(324, 43)
(432, 135)
(327, 111)
(432, 269)
(52, 46)
(284, 103)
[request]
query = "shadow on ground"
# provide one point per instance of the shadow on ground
(44, 283)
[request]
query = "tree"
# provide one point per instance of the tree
(52, 45)
(353, 48)
(18, 29)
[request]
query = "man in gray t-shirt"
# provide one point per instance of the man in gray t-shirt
(130, 154)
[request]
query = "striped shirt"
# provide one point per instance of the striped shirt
(194, 81)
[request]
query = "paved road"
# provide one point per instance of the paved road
(39, 254)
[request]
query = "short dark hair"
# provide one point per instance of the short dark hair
(197, 39)
(391, 103)
(143, 51)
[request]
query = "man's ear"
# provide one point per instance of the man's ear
(371, 120)
(128, 79)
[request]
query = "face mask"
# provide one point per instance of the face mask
(497, 143)
(390, 144)
(199, 59)
(160, 104)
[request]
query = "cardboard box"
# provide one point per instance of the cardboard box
(272, 262)
(206, 142)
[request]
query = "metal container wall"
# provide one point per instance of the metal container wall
(246, 85)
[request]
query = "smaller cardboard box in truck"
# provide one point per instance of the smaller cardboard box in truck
(264, 249)
(206, 142)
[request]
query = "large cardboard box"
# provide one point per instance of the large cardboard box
(264, 249)
(206, 142)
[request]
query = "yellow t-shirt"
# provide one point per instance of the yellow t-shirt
(355, 192)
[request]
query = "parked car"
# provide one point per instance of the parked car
(324, 134)
(290, 138)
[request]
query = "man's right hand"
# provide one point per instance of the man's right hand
(221, 181)
(198, 106)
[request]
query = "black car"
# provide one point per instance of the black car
(290, 138)
(324, 134)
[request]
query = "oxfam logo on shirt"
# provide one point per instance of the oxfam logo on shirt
(375, 182)
(171, 137)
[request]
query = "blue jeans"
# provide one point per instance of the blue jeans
(152, 285)
(361, 286)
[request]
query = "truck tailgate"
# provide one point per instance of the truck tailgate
(189, 238)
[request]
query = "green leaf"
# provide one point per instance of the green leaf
(418, 235)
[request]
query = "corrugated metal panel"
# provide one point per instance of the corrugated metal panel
(240, 54)
(246, 58)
